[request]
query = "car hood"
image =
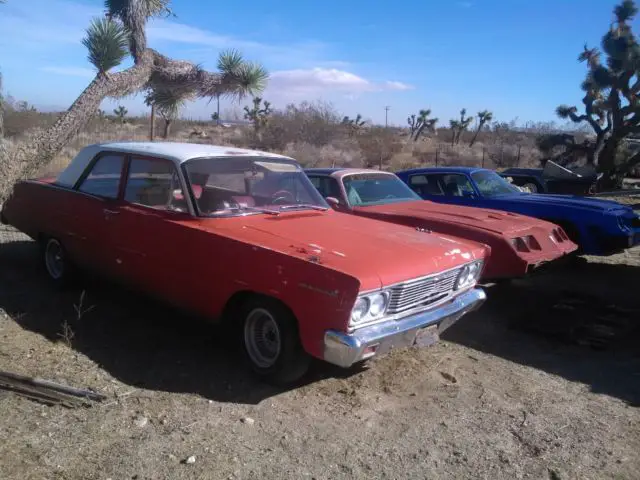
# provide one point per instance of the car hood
(495, 221)
(563, 201)
(376, 253)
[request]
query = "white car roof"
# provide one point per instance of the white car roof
(174, 151)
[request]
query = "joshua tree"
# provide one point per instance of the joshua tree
(611, 100)
(215, 116)
(120, 113)
(150, 71)
(459, 126)
(418, 124)
(353, 124)
(484, 117)
(258, 115)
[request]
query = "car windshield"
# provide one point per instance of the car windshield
(250, 185)
(365, 189)
(491, 184)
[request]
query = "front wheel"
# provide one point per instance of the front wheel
(271, 342)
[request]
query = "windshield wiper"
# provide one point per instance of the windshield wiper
(304, 205)
(257, 209)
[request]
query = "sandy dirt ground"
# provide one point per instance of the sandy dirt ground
(543, 383)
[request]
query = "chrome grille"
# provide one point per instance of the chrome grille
(422, 292)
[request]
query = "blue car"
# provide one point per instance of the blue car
(599, 227)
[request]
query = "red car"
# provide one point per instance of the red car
(243, 237)
(518, 243)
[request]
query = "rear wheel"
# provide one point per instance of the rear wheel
(56, 262)
(271, 341)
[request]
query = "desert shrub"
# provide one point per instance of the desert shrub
(378, 146)
(314, 123)
(324, 156)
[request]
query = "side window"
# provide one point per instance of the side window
(154, 183)
(425, 185)
(327, 186)
(104, 178)
(456, 185)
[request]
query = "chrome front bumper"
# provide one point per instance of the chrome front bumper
(345, 349)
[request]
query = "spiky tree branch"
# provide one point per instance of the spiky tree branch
(150, 71)
(353, 125)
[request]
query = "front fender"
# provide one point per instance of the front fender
(320, 298)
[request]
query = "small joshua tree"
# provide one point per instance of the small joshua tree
(353, 125)
(420, 123)
(484, 117)
(459, 126)
(121, 112)
(258, 115)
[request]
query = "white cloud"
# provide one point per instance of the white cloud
(318, 80)
(70, 71)
(393, 85)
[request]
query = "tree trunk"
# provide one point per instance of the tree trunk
(152, 122)
(167, 128)
(453, 137)
(604, 159)
(218, 110)
(475, 135)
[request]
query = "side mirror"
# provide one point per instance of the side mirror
(334, 202)
(468, 194)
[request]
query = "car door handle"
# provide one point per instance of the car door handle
(110, 212)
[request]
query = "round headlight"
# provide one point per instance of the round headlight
(360, 309)
(378, 304)
(462, 277)
(474, 271)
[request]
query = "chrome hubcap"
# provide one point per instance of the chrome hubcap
(54, 259)
(262, 338)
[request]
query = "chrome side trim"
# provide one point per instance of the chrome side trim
(345, 349)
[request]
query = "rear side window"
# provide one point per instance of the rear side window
(154, 183)
(104, 178)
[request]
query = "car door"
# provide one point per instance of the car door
(151, 234)
(90, 213)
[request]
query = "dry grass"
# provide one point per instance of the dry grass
(311, 133)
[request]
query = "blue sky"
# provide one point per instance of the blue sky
(517, 58)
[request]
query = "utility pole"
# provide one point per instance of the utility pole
(386, 116)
